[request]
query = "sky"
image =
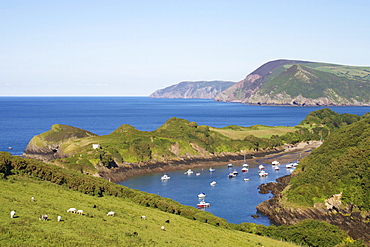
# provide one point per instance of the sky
(133, 48)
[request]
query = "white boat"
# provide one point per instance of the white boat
(277, 168)
(246, 179)
(165, 177)
(203, 204)
(289, 165)
(197, 174)
(261, 167)
(201, 195)
(245, 164)
(213, 183)
(230, 165)
(244, 169)
(212, 169)
(262, 173)
(275, 162)
(189, 172)
(235, 172)
(231, 175)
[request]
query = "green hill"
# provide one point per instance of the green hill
(292, 82)
(55, 190)
(341, 164)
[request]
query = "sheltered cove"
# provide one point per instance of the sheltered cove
(284, 155)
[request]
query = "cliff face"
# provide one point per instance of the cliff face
(346, 217)
(196, 89)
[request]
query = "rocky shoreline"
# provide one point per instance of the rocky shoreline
(345, 217)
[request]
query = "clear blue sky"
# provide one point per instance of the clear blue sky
(132, 48)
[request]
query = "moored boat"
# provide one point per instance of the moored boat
(165, 177)
(262, 173)
(212, 169)
(244, 169)
(261, 167)
(189, 172)
(201, 195)
(203, 204)
(213, 183)
(230, 165)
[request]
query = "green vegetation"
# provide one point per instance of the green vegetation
(341, 164)
(56, 189)
(179, 138)
(313, 83)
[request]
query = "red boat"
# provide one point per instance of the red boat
(203, 204)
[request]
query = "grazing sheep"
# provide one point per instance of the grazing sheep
(162, 227)
(111, 213)
(59, 218)
(80, 211)
(72, 210)
(12, 213)
(167, 221)
(143, 217)
(43, 217)
(32, 199)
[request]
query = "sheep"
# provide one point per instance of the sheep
(143, 217)
(111, 213)
(80, 211)
(59, 218)
(72, 210)
(12, 213)
(43, 217)
(32, 199)
(167, 221)
(162, 227)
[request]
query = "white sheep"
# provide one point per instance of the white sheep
(59, 218)
(12, 213)
(143, 217)
(162, 227)
(33, 199)
(111, 213)
(72, 210)
(43, 217)
(80, 211)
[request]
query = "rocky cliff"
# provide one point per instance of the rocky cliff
(195, 89)
(347, 217)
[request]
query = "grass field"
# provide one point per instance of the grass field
(259, 131)
(94, 227)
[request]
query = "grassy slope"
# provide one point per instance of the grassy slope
(341, 164)
(94, 228)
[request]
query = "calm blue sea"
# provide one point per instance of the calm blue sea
(24, 117)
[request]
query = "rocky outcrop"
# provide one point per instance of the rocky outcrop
(46, 146)
(194, 89)
(346, 217)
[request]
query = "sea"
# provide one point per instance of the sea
(232, 199)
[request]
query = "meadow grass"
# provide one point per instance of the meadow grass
(94, 227)
(257, 131)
